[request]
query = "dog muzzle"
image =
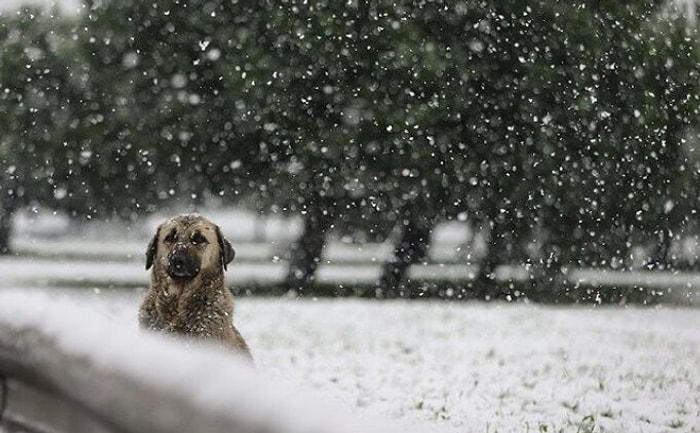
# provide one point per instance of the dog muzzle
(182, 265)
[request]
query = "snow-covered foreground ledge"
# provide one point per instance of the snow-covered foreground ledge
(120, 379)
(448, 367)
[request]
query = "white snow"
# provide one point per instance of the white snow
(71, 7)
(55, 250)
(218, 383)
(445, 366)
(480, 367)
(453, 367)
(111, 270)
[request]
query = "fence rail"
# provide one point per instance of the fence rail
(48, 389)
(68, 369)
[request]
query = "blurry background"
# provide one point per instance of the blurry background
(538, 149)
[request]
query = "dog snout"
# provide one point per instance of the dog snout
(178, 260)
(181, 264)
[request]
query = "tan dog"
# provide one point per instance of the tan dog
(187, 295)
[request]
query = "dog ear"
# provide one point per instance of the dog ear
(226, 250)
(152, 249)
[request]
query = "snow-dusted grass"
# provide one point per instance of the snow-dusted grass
(53, 250)
(487, 368)
(139, 381)
(451, 366)
(475, 367)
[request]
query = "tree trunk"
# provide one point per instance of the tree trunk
(8, 206)
(498, 251)
(305, 253)
(5, 231)
(411, 247)
(660, 256)
(547, 279)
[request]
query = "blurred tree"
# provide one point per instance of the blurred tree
(67, 136)
(673, 93)
(535, 117)
(36, 63)
(323, 55)
(619, 142)
(562, 130)
(187, 91)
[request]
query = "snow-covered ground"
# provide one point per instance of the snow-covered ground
(473, 367)
(488, 368)
(448, 366)
(70, 7)
(52, 251)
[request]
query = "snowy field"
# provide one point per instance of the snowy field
(54, 251)
(488, 368)
(442, 366)
(473, 367)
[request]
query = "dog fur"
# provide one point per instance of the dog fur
(187, 295)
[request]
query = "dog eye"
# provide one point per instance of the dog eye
(197, 238)
(170, 238)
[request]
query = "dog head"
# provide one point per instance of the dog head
(187, 245)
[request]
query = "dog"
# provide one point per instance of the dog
(187, 295)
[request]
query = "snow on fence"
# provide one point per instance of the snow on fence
(66, 368)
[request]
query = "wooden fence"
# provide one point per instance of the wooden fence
(69, 369)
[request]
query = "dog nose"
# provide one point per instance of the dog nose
(177, 261)
(180, 265)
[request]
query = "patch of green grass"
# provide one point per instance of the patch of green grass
(587, 425)
(677, 423)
